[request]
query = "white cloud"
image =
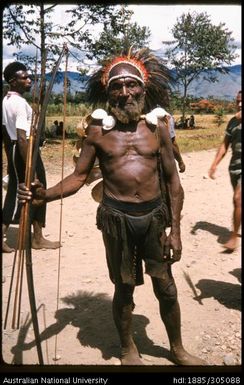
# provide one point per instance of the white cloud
(161, 18)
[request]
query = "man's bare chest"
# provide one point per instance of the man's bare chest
(119, 144)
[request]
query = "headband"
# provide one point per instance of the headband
(106, 79)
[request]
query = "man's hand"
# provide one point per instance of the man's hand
(36, 195)
(211, 172)
(173, 248)
(182, 166)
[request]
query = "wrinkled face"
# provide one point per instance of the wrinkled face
(238, 101)
(21, 82)
(126, 94)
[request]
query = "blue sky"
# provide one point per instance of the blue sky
(160, 19)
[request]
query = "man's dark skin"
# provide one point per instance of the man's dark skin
(128, 160)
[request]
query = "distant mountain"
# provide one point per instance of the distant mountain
(226, 88)
(76, 82)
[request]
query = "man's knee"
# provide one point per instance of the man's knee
(165, 291)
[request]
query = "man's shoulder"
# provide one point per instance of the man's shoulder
(94, 128)
(233, 122)
(14, 99)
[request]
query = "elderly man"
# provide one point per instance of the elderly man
(132, 144)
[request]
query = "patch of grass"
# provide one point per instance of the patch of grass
(70, 123)
(205, 136)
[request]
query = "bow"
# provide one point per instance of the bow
(23, 250)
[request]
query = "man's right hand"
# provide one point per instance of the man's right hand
(211, 172)
(36, 195)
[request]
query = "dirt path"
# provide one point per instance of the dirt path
(208, 282)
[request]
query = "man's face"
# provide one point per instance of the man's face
(21, 82)
(126, 94)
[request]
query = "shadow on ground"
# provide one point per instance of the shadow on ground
(221, 232)
(91, 313)
(226, 293)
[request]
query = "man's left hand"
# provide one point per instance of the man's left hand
(182, 167)
(173, 248)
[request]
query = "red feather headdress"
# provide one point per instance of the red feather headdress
(153, 74)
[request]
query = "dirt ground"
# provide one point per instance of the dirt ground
(75, 317)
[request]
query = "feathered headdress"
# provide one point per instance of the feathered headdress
(152, 73)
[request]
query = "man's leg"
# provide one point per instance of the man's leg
(39, 214)
(38, 241)
(166, 294)
(233, 241)
(5, 247)
(122, 314)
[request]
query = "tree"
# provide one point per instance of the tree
(118, 37)
(198, 47)
(33, 27)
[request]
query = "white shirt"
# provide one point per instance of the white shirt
(16, 113)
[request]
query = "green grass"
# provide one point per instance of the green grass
(70, 123)
(205, 136)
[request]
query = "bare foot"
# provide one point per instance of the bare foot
(181, 357)
(231, 244)
(44, 244)
(130, 356)
(6, 248)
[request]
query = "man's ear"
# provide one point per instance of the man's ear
(12, 82)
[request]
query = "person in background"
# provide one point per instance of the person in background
(232, 137)
(54, 129)
(60, 129)
(16, 123)
(192, 122)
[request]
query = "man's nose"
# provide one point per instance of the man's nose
(124, 91)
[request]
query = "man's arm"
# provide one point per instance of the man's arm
(22, 143)
(219, 156)
(69, 186)
(176, 151)
(178, 156)
(175, 189)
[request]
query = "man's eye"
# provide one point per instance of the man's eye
(132, 85)
(116, 87)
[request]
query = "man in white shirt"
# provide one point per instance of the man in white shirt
(16, 123)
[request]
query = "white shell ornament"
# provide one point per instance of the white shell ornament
(99, 113)
(152, 116)
(108, 122)
(160, 112)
